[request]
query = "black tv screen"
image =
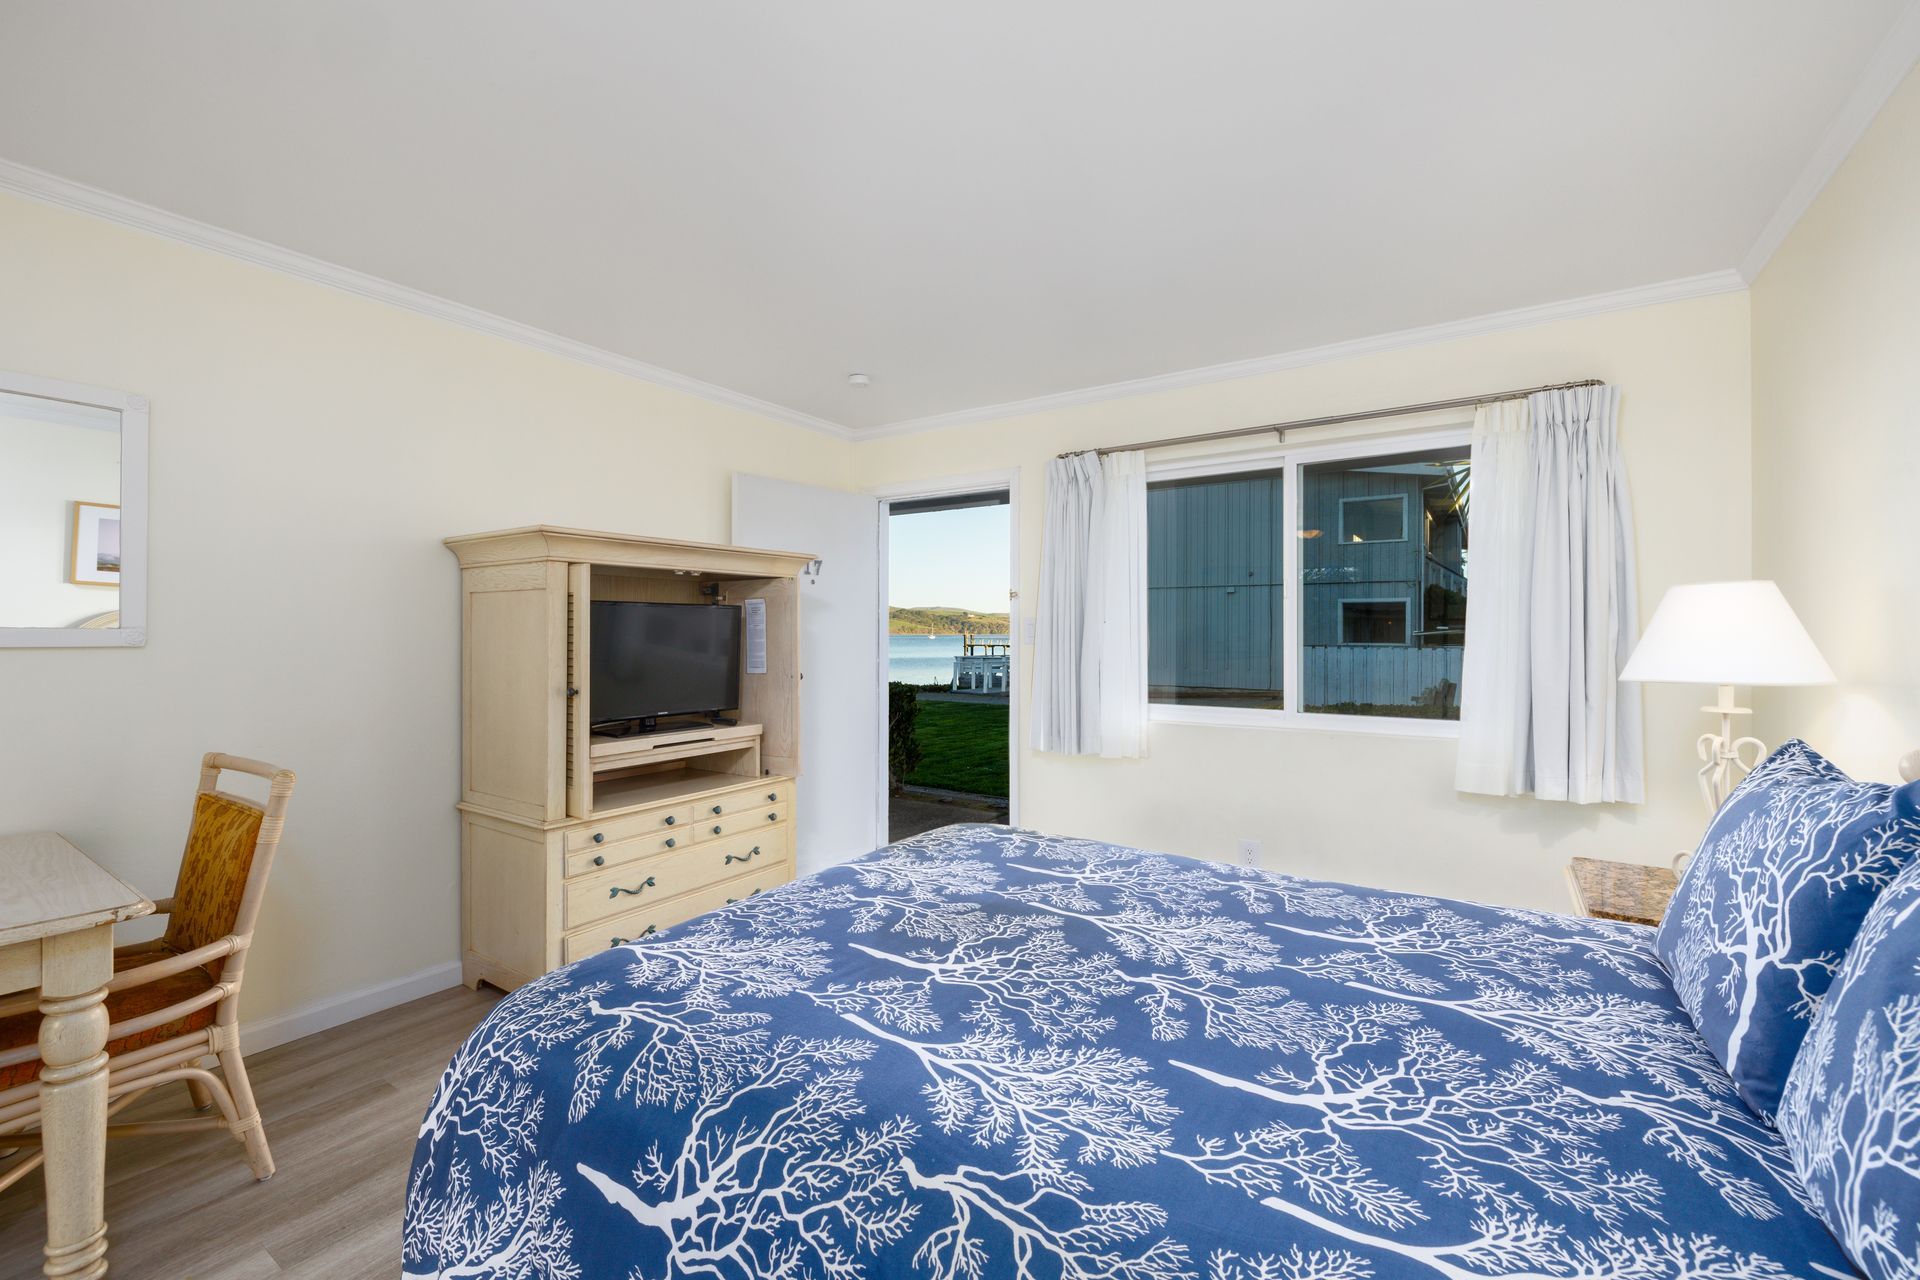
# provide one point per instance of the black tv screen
(663, 659)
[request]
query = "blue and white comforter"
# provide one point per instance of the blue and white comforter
(985, 1053)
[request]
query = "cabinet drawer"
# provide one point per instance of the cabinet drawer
(733, 824)
(593, 857)
(646, 822)
(641, 881)
(771, 793)
(633, 925)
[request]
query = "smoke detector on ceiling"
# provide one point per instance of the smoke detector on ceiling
(858, 380)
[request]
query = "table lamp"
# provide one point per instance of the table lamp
(1726, 634)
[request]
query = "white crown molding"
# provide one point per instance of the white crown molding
(1892, 58)
(48, 188)
(1499, 321)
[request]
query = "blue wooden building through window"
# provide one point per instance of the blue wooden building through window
(1383, 566)
(1216, 557)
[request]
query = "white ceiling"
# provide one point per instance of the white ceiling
(975, 203)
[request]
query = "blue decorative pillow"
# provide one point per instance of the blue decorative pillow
(1851, 1110)
(1771, 902)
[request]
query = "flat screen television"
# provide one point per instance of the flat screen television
(663, 659)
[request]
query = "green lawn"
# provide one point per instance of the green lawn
(963, 747)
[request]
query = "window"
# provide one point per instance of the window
(1374, 519)
(1374, 545)
(1375, 621)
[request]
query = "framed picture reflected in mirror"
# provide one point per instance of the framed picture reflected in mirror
(96, 545)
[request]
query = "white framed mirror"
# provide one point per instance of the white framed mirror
(73, 515)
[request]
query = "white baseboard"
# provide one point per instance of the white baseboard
(321, 1015)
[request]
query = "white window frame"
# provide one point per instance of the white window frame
(1289, 459)
(1400, 498)
(1406, 608)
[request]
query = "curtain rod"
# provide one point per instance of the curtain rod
(1334, 419)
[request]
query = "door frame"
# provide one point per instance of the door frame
(953, 487)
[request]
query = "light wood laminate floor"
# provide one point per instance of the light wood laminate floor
(341, 1109)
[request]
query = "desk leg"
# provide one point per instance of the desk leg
(74, 971)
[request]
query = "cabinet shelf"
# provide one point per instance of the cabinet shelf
(617, 795)
(608, 754)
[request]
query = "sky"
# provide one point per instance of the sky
(953, 558)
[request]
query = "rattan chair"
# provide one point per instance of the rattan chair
(173, 1004)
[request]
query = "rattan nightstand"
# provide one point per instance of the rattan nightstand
(1629, 891)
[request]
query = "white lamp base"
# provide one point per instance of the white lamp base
(1724, 753)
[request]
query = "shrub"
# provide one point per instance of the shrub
(903, 748)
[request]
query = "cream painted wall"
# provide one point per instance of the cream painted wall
(311, 448)
(1382, 810)
(1836, 426)
(46, 467)
(309, 451)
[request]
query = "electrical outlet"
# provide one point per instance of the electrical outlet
(1249, 853)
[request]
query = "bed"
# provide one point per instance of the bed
(987, 1053)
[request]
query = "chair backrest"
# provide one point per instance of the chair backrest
(229, 853)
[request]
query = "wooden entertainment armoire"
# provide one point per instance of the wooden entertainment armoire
(571, 842)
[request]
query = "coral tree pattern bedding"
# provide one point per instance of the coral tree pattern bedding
(1771, 902)
(1851, 1112)
(985, 1053)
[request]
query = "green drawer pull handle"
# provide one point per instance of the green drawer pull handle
(741, 857)
(716, 808)
(731, 901)
(599, 859)
(599, 837)
(773, 795)
(616, 891)
(716, 828)
(621, 942)
(773, 817)
(670, 842)
(669, 819)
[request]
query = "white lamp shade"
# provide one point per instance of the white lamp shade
(1726, 633)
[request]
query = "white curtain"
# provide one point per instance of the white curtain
(1090, 668)
(1554, 606)
(1120, 557)
(1496, 675)
(1059, 671)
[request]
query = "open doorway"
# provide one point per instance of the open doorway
(951, 654)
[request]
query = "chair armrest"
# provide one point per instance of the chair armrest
(176, 964)
(160, 908)
(29, 1001)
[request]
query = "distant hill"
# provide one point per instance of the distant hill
(945, 621)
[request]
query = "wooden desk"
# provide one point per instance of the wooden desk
(57, 912)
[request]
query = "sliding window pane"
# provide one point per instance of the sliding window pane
(1383, 594)
(1215, 599)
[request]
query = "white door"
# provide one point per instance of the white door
(841, 765)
